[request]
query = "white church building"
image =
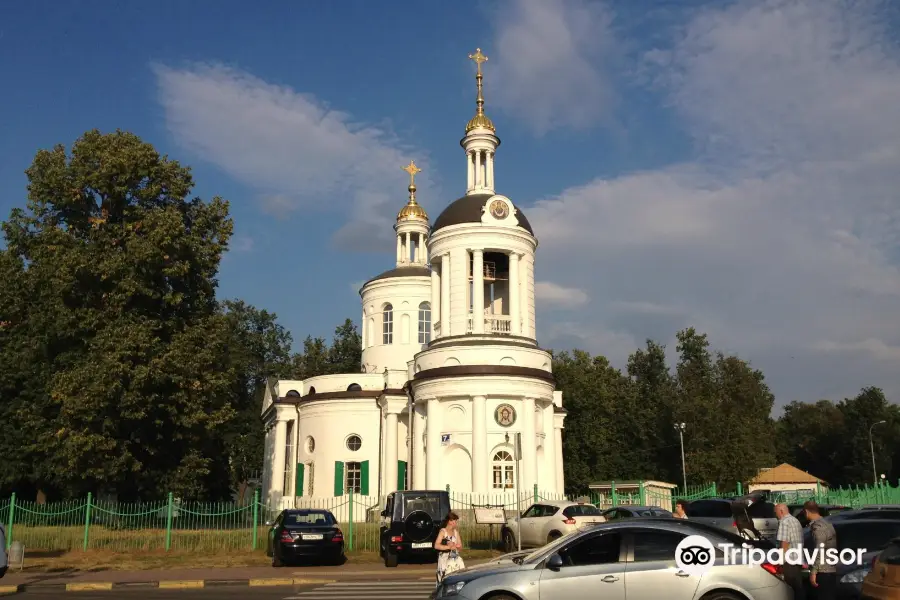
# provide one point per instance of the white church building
(451, 368)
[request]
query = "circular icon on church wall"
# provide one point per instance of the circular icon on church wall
(499, 209)
(505, 415)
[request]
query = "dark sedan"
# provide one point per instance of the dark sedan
(631, 512)
(303, 534)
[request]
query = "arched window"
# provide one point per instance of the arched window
(424, 323)
(387, 332)
(504, 471)
(354, 387)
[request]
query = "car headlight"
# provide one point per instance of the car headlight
(452, 589)
(856, 576)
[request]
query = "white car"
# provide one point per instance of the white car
(546, 521)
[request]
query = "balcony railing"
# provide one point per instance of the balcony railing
(494, 324)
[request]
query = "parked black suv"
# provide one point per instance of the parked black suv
(410, 523)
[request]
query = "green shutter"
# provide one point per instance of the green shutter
(338, 478)
(364, 478)
(401, 474)
(298, 485)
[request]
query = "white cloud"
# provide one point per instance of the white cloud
(242, 243)
(547, 69)
(783, 230)
(557, 296)
(292, 147)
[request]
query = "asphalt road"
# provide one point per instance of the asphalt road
(407, 589)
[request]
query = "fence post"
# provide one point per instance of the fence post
(87, 520)
(612, 493)
(9, 521)
(535, 494)
(255, 516)
(643, 493)
(740, 489)
(169, 524)
(350, 529)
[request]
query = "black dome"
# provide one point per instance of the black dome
(411, 271)
(469, 209)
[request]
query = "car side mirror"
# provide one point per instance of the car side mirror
(555, 562)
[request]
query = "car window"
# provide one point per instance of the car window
(709, 508)
(870, 535)
(548, 511)
(655, 545)
(594, 550)
(761, 510)
(309, 517)
(623, 513)
(532, 511)
(431, 505)
(389, 505)
(581, 510)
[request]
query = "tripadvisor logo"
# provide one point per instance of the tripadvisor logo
(695, 555)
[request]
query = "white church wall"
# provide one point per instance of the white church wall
(404, 295)
(340, 382)
(521, 356)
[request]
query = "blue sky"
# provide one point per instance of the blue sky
(729, 165)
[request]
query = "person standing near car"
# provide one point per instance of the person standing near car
(790, 537)
(822, 576)
(448, 544)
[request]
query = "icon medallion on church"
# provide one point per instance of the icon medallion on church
(505, 415)
(499, 209)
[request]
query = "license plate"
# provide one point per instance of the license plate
(425, 545)
(312, 536)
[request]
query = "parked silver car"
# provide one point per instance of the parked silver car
(632, 559)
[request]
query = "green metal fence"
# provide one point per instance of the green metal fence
(173, 525)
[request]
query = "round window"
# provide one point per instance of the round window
(354, 443)
(310, 445)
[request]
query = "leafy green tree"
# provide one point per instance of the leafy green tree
(344, 355)
(119, 265)
(807, 435)
(655, 390)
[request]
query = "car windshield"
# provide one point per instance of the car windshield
(581, 510)
(308, 517)
(548, 548)
(431, 505)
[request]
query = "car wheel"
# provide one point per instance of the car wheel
(391, 559)
(276, 562)
(509, 542)
(554, 535)
(722, 596)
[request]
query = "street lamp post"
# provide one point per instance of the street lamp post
(872, 448)
(680, 428)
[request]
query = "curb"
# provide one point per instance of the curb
(163, 585)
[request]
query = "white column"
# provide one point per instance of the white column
(479, 174)
(445, 295)
(515, 295)
(418, 476)
(435, 298)
(490, 170)
(406, 249)
(529, 452)
(528, 287)
(416, 251)
(390, 454)
(434, 481)
(479, 445)
(470, 171)
(557, 442)
(459, 291)
(549, 449)
(399, 248)
(423, 251)
(478, 291)
(278, 467)
(523, 296)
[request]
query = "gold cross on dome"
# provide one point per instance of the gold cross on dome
(412, 169)
(479, 58)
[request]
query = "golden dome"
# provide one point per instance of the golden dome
(480, 120)
(412, 210)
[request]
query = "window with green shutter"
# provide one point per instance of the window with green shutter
(338, 478)
(364, 478)
(298, 487)
(401, 474)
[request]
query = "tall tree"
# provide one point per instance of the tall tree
(120, 265)
(656, 395)
(344, 355)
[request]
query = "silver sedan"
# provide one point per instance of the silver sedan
(631, 560)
